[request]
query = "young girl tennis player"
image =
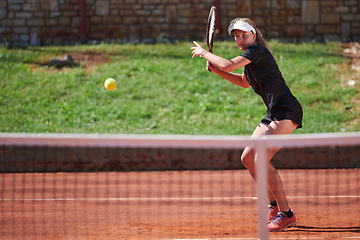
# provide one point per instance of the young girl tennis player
(284, 112)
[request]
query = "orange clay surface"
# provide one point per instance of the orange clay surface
(168, 205)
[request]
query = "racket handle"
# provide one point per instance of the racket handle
(208, 63)
(207, 66)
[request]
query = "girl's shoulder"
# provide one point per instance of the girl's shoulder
(256, 53)
(258, 49)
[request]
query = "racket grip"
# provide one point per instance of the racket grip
(208, 63)
(207, 66)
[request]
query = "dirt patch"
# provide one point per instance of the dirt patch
(65, 62)
(90, 60)
(352, 52)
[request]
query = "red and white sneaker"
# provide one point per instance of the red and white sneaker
(280, 222)
(272, 212)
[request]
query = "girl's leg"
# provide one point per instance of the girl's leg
(285, 218)
(248, 155)
(276, 189)
(275, 183)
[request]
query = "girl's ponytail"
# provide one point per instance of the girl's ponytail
(261, 40)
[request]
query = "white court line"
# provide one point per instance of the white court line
(277, 238)
(130, 199)
(215, 238)
(165, 199)
(341, 196)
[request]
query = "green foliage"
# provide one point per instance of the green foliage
(162, 90)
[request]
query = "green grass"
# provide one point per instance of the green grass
(162, 90)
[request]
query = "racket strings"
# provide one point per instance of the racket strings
(210, 30)
(211, 27)
(212, 23)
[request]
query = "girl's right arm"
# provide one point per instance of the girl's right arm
(222, 66)
(237, 79)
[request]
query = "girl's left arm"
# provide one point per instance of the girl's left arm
(221, 63)
(237, 79)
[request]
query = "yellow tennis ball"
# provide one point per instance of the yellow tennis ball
(110, 84)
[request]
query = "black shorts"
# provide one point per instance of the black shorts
(286, 108)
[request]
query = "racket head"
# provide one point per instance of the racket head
(210, 30)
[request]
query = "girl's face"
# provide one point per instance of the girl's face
(244, 39)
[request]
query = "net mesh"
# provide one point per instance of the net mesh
(151, 187)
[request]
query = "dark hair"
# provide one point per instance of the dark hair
(259, 37)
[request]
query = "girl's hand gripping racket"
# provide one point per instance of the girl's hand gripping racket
(210, 30)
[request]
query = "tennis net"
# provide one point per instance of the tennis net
(63, 186)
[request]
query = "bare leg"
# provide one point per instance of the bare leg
(275, 183)
(248, 155)
(276, 189)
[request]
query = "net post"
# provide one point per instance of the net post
(262, 187)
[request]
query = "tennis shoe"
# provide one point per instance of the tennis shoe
(280, 222)
(272, 212)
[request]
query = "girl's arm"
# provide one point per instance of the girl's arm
(222, 66)
(221, 63)
(237, 79)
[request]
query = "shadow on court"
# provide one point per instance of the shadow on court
(299, 228)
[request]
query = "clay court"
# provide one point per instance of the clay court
(173, 205)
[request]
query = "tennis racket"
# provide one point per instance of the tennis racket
(210, 30)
